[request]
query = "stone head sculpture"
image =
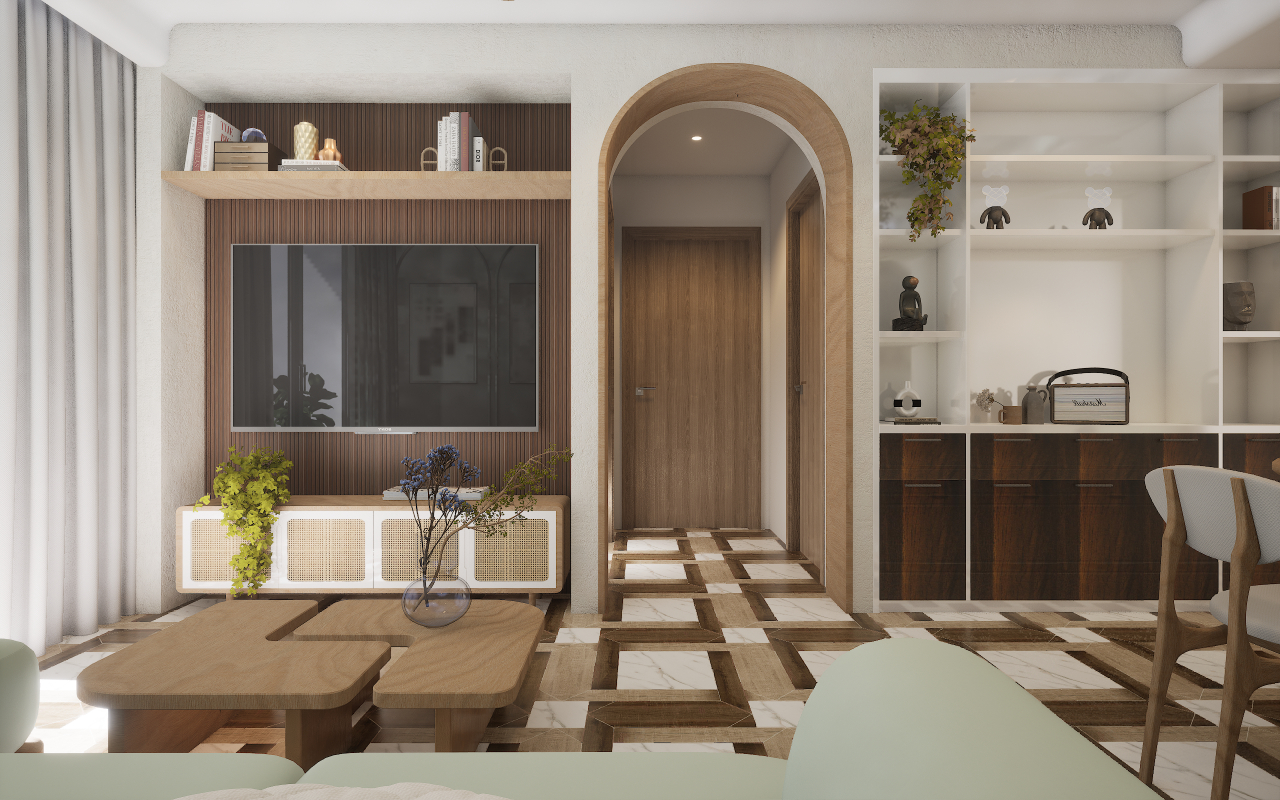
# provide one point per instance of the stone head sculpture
(1237, 305)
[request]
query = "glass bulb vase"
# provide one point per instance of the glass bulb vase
(438, 598)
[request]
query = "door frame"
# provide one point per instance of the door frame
(802, 109)
(808, 189)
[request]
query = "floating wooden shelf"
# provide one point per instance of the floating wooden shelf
(406, 185)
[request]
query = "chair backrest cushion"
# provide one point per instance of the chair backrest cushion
(19, 694)
(1209, 509)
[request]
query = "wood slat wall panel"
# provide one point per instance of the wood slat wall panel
(391, 136)
(345, 463)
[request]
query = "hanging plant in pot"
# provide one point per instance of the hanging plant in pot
(249, 488)
(931, 146)
(444, 503)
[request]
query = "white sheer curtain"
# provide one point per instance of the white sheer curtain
(67, 255)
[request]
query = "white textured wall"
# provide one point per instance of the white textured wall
(606, 65)
(170, 338)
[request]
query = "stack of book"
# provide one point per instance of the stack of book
(245, 156)
(207, 129)
(1262, 208)
(459, 145)
(310, 165)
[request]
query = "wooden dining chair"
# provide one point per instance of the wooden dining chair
(1232, 517)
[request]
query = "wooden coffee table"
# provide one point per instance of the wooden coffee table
(463, 671)
(168, 692)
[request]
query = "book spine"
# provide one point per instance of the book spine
(454, 134)
(197, 155)
(477, 154)
(211, 124)
(1275, 208)
(229, 132)
(464, 125)
(191, 146)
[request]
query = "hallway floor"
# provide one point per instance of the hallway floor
(712, 640)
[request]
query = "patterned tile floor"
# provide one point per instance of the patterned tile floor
(711, 641)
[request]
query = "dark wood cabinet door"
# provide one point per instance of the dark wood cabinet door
(1018, 455)
(922, 540)
(922, 457)
(1024, 542)
(1252, 453)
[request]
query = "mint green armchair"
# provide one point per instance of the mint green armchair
(19, 694)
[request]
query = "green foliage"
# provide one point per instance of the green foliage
(309, 402)
(250, 487)
(932, 148)
(515, 491)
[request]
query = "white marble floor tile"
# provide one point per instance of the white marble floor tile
(1212, 711)
(654, 572)
(82, 639)
(966, 616)
(777, 713)
(745, 636)
(1047, 670)
(578, 635)
(707, 557)
(69, 669)
(699, 534)
(1077, 635)
(813, 609)
(784, 572)
(652, 545)
(543, 605)
(909, 633)
(723, 588)
(58, 691)
(1184, 771)
(1118, 616)
(665, 669)
(75, 740)
(756, 545)
(658, 609)
(672, 747)
(818, 660)
(94, 719)
(653, 529)
(189, 609)
(1212, 664)
(557, 714)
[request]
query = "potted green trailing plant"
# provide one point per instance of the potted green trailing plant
(931, 146)
(435, 488)
(249, 488)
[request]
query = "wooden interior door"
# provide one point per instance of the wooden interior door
(806, 245)
(690, 329)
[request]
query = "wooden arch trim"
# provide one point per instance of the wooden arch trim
(798, 105)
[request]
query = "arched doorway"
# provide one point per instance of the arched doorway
(799, 107)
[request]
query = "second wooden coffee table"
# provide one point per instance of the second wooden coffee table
(463, 671)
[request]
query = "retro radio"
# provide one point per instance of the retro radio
(1089, 403)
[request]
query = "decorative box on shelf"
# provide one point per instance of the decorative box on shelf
(246, 157)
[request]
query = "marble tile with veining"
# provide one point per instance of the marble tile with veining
(68, 670)
(784, 572)
(818, 660)
(673, 747)
(1212, 711)
(658, 609)
(1077, 635)
(756, 545)
(578, 636)
(1047, 670)
(1184, 771)
(745, 636)
(723, 588)
(189, 609)
(699, 534)
(1212, 664)
(806, 609)
(909, 633)
(707, 557)
(665, 669)
(557, 714)
(652, 545)
(967, 616)
(776, 713)
(654, 572)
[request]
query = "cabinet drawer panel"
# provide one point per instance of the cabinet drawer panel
(922, 456)
(1021, 455)
(922, 540)
(1086, 456)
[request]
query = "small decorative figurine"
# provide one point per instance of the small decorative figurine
(330, 152)
(253, 135)
(995, 216)
(1237, 306)
(910, 309)
(907, 402)
(305, 138)
(1098, 217)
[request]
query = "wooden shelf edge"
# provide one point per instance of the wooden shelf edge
(405, 185)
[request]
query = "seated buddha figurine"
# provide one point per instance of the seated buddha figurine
(911, 316)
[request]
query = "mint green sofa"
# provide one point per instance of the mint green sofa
(897, 719)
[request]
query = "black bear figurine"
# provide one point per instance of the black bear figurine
(1098, 218)
(995, 217)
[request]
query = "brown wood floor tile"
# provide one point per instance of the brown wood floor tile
(661, 635)
(974, 634)
(826, 635)
(669, 715)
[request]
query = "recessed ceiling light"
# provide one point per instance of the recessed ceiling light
(697, 138)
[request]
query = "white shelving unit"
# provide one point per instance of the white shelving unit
(1010, 307)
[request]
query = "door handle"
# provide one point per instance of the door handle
(799, 387)
(640, 390)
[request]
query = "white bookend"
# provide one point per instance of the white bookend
(191, 146)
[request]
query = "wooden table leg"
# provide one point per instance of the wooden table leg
(131, 730)
(311, 736)
(459, 730)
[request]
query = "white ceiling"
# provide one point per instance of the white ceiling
(733, 143)
(140, 28)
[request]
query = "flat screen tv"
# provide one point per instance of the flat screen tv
(384, 338)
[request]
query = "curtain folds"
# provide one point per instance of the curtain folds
(67, 258)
